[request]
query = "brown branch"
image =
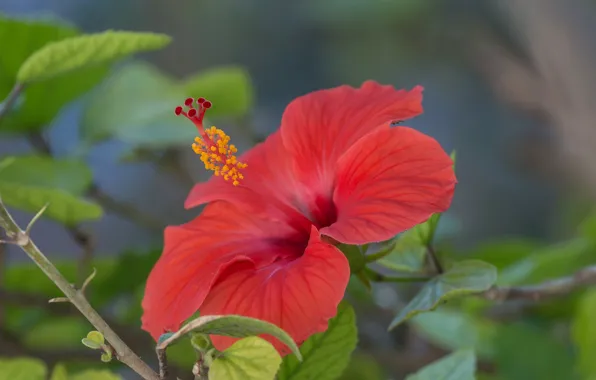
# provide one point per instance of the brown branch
(122, 352)
(553, 288)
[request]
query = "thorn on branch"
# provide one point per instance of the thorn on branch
(80, 291)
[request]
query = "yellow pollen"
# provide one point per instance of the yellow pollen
(218, 155)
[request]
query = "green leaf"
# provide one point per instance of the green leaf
(545, 357)
(69, 175)
(466, 277)
(454, 330)
(408, 250)
(59, 373)
(355, 257)
(95, 375)
(74, 53)
(549, 262)
(136, 105)
(22, 369)
(584, 333)
(234, 326)
(40, 102)
(96, 337)
(503, 253)
(460, 365)
(228, 88)
(29, 183)
(250, 358)
(326, 354)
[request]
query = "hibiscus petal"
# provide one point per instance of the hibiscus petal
(388, 182)
(197, 253)
(299, 295)
(318, 127)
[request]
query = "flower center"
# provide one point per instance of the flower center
(213, 145)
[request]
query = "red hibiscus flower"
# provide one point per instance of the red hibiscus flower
(337, 170)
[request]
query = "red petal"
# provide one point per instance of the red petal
(390, 181)
(196, 254)
(299, 295)
(317, 128)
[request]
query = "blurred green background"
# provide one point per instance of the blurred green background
(509, 84)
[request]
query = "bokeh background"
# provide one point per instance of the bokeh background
(509, 84)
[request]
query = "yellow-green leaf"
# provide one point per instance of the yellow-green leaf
(22, 369)
(39, 102)
(325, 355)
(228, 88)
(91, 49)
(29, 183)
(250, 358)
(466, 277)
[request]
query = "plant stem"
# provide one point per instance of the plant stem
(435, 259)
(122, 352)
(11, 99)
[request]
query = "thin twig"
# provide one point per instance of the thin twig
(162, 359)
(553, 288)
(435, 259)
(11, 99)
(122, 352)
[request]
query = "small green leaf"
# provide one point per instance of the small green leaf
(91, 344)
(584, 333)
(31, 182)
(95, 375)
(96, 337)
(74, 53)
(164, 337)
(22, 369)
(250, 358)
(59, 372)
(106, 357)
(466, 277)
(326, 354)
(234, 326)
(460, 365)
(228, 88)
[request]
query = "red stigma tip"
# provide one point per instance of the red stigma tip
(201, 100)
(207, 104)
(178, 110)
(192, 112)
(188, 102)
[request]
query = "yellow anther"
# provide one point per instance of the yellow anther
(217, 154)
